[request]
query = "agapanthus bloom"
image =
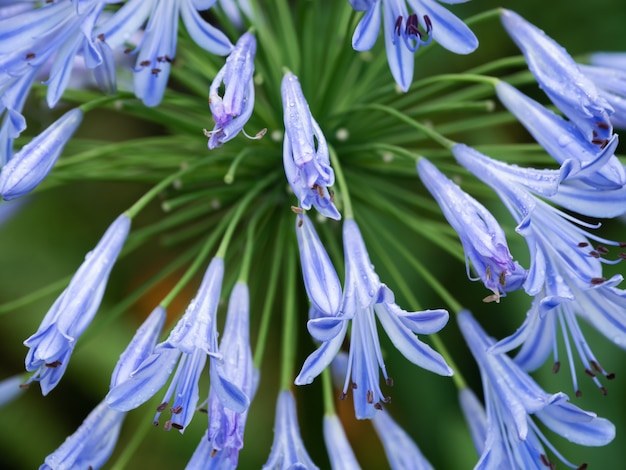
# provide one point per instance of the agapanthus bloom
(596, 186)
(232, 110)
(51, 346)
(320, 278)
(287, 449)
(561, 79)
(512, 398)
(365, 298)
(189, 344)
(607, 70)
(340, 453)
(402, 453)
(93, 442)
(482, 237)
(34, 161)
(157, 49)
(405, 32)
(305, 152)
(226, 426)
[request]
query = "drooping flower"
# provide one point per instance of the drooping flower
(476, 418)
(51, 346)
(287, 449)
(406, 32)
(232, 110)
(10, 389)
(33, 162)
(363, 296)
(157, 49)
(402, 453)
(320, 278)
(607, 71)
(193, 339)
(93, 442)
(596, 186)
(226, 426)
(482, 237)
(339, 451)
(561, 79)
(305, 152)
(512, 398)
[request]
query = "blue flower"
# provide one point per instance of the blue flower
(34, 161)
(320, 278)
(51, 346)
(232, 111)
(476, 418)
(405, 32)
(363, 295)
(157, 49)
(10, 389)
(235, 10)
(561, 79)
(92, 443)
(607, 71)
(339, 451)
(193, 339)
(54, 33)
(596, 182)
(287, 449)
(481, 236)
(402, 453)
(512, 397)
(305, 152)
(226, 426)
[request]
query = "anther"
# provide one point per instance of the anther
(578, 394)
(597, 280)
(353, 385)
(589, 373)
(162, 406)
(213, 453)
(300, 222)
(342, 396)
(155, 423)
(594, 254)
(177, 426)
(397, 27)
(30, 55)
(583, 244)
(54, 365)
(488, 273)
(128, 50)
(144, 63)
(332, 196)
(556, 367)
(603, 391)
(203, 410)
(369, 397)
(378, 406)
(296, 210)
(610, 376)
(602, 125)
(602, 249)
(596, 366)
(583, 466)
(387, 399)
(101, 37)
(177, 410)
(544, 460)
(622, 256)
(502, 279)
(167, 426)
(389, 382)
(155, 71)
(622, 244)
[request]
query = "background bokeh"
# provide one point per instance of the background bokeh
(47, 238)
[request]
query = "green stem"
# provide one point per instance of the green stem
(243, 204)
(229, 177)
(152, 193)
(485, 15)
(327, 390)
(52, 288)
(341, 182)
(436, 136)
(250, 239)
(105, 100)
(266, 315)
(289, 324)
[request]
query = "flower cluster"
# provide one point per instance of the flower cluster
(376, 169)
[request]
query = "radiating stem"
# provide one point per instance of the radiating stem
(341, 182)
(289, 323)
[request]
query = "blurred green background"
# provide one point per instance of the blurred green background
(49, 236)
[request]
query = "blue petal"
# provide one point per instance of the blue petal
(366, 32)
(204, 35)
(340, 453)
(319, 359)
(231, 396)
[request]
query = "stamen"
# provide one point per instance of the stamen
(583, 244)
(54, 365)
(556, 367)
(597, 280)
(369, 397)
(155, 71)
(177, 410)
(389, 381)
(30, 55)
(144, 63)
(488, 273)
(502, 279)
(296, 210)
(177, 426)
(213, 453)
(162, 406)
